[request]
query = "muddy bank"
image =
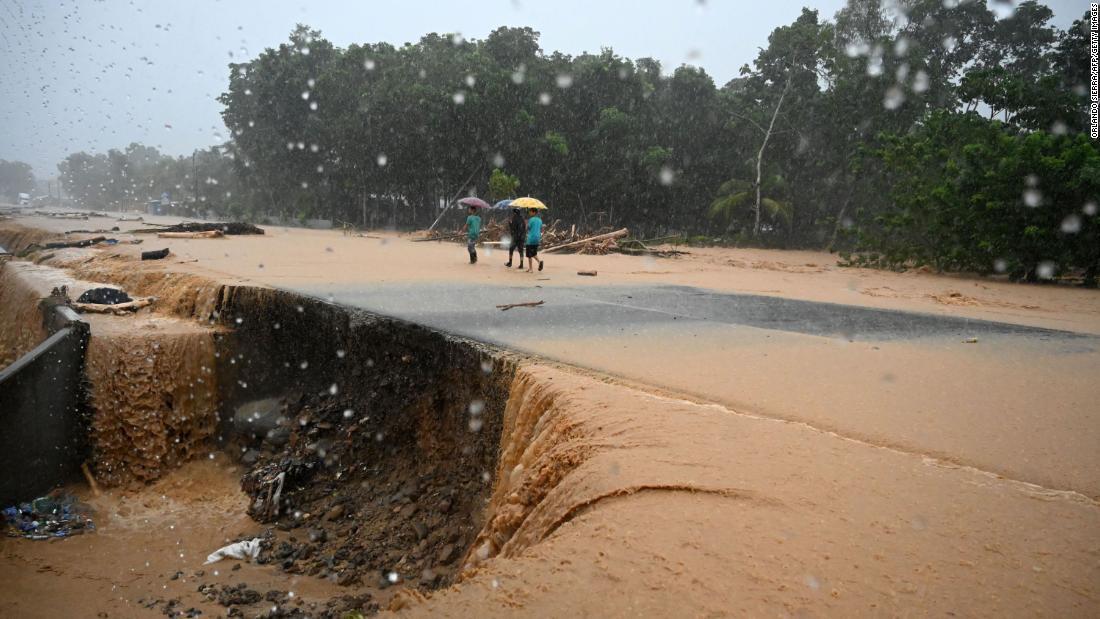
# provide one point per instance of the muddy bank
(19, 313)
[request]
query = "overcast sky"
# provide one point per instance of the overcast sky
(93, 75)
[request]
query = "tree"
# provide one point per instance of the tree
(15, 178)
(502, 185)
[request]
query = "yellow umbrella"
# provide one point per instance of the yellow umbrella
(526, 203)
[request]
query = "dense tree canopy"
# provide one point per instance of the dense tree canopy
(15, 178)
(849, 133)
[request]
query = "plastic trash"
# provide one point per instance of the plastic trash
(247, 550)
(57, 514)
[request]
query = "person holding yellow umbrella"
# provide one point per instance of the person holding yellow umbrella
(534, 228)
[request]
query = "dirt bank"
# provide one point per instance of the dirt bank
(614, 502)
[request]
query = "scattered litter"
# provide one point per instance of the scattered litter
(157, 254)
(247, 550)
(57, 514)
(970, 340)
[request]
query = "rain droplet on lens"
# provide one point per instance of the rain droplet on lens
(1071, 224)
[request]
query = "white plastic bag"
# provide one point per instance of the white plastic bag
(248, 550)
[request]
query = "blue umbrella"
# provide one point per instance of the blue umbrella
(503, 204)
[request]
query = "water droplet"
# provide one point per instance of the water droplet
(667, 176)
(368, 64)
(894, 98)
(1046, 269)
(1071, 224)
(459, 98)
(564, 80)
(545, 98)
(920, 81)
(382, 159)
(1033, 197)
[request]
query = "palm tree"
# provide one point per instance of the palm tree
(736, 194)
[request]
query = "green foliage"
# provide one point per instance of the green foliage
(502, 185)
(735, 198)
(15, 178)
(855, 129)
(973, 194)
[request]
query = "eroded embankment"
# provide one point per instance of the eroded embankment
(401, 456)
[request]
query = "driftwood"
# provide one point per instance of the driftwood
(646, 251)
(117, 308)
(156, 254)
(208, 234)
(88, 476)
(82, 243)
(592, 239)
(440, 238)
(587, 273)
(508, 306)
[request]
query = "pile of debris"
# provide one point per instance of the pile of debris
(230, 228)
(57, 514)
(102, 300)
(556, 238)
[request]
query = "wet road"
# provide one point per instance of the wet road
(588, 311)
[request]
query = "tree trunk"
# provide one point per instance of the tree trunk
(760, 154)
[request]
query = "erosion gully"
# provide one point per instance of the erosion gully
(376, 440)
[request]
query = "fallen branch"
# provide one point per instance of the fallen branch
(592, 239)
(508, 306)
(88, 476)
(440, 238)
(208, 234)
(117, 308)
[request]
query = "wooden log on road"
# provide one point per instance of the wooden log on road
(507, 307)
(208, 234)
(117, 308)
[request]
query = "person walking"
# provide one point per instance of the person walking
(473, 230)
(534, 237)
(517, 227)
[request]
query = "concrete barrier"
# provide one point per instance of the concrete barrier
(43, 425)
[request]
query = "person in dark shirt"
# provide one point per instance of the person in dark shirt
(517, 227)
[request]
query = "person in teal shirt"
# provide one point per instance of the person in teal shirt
(473, 230)
(534, 237)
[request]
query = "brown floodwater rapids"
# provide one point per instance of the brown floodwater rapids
(154, 399)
